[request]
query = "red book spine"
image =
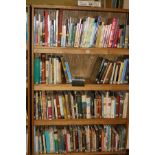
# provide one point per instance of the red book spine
(46, 26)
(43, 69)
(113, 29)
(58, 106)
(50, 112)
(116, 38)
(76, 136)
(49, 108)
(117, 106)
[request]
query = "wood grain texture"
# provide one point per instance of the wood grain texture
(28, 81)
(61, 87)
(81, 8)
(88, 153)
(103, 121)
(88, 51)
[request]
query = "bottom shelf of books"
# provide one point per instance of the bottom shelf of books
(88, 139)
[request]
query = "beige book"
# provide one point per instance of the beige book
(120, 73)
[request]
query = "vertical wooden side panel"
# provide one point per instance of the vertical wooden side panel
(32, 82)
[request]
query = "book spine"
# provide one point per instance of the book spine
(37, 70)
(49, 108)
(68, 72)
(55, 109)
(46, 26)
(43, 69)
(88, 114)
(47, 140)
(61, 106)
(58, 107)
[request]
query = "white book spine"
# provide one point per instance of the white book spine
(125, 105)
(61, 105)
(36, 146)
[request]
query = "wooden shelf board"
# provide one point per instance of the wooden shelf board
(60, 87)
(60, 122)
(81, 8)
(67, 50)
(87, 153)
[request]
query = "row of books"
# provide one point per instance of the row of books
(95, 138)
(50, 69)
(74, 105)
(46, 27)
(117, 3)
(116, 72)
(93, 32)
(83, 32)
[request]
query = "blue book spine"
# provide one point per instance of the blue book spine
(124, 70)
(37, 70)
(47, 140)
(68, 72)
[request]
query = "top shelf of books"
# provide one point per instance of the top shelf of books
(82, 8)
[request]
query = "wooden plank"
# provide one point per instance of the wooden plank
(88, 153)
(61, 50)
(59, 122)
(81, 8)
(62, 87)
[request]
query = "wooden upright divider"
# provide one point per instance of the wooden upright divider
(28, 81)
(64, 87)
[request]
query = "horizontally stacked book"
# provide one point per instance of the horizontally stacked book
(76, 105)
(94, 138)
(83, 32)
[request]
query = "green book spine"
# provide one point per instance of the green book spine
(37, 70)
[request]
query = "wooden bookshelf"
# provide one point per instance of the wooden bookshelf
(93, 51)
(82, 8)
(108, 121)
(89, 153)
(61, 87)
(28, 80)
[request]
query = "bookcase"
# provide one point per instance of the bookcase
(28, 100)
(79, 59)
